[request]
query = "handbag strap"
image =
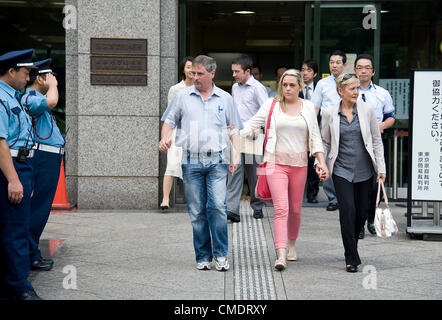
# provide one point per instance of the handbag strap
(268, 124)
(381, 184)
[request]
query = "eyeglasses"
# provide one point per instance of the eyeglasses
(363, 67)
(348, 76)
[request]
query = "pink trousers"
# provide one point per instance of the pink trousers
(286, 185)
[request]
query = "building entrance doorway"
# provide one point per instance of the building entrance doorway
(271, 33)
(274, 34)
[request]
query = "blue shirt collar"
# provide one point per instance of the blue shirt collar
(369, 87)
(10, 90)
(215, 90)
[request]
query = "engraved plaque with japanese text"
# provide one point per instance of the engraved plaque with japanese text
(118, 62)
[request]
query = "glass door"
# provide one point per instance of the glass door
(352, 28)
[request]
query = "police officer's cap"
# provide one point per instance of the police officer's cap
(42, 67)
(17, 59)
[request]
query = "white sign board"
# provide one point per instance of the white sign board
(400, 91)
(426, 161)
(351, 58)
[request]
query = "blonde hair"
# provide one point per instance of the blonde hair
(345, 79)
(291, 72)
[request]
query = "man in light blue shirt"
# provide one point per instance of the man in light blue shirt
(374, 94)
(202, 114)
(325, 96)
(40, 98)
(383, 104)
(16, 177)
(249, 94)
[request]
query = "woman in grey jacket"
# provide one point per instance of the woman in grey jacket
(293, 134)
(351, 133)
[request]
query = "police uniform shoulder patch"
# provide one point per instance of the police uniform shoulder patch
(16, 110)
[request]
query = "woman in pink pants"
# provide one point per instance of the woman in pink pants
(293, 134)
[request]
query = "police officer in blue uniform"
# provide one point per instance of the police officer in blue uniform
(16, 176)
(40, 98)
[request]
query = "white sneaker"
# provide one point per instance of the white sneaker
(205, 265)
(221, 264)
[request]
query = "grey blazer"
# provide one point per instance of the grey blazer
(369, 130)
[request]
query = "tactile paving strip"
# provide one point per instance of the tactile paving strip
(253, 278)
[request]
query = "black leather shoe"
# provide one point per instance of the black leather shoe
(42, 264)
(233, 217)
(371, 228)
(352, 268)
(312, 201)
(332, 207)
(28, 295)
(257, 214)
(362, 234)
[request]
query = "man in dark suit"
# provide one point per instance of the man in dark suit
(309, 70)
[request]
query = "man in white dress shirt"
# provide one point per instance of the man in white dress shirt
(249, 94)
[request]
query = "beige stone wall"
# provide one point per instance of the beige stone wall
(112, 156)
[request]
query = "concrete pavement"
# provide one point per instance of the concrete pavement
(148, 255)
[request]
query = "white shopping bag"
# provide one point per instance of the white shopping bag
(383, 220)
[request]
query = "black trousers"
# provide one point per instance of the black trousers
(354, 204)
(372, 210)
(312, 185)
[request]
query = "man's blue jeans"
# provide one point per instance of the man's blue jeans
(205, 191)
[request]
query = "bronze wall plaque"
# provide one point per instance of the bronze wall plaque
(106, 64)
(119, 80)
(126, 47)
(118, 62)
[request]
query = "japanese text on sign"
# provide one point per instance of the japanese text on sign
(426, 168)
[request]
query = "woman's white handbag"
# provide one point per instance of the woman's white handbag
(383, 220)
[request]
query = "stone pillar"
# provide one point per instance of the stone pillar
(112, 155)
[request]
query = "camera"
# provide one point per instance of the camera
(23, 153)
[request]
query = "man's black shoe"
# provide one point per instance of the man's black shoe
(28, 295)
(352, 268)
(332, 207)
(362, 234)
(313, 200)
(233, 217)
(371, 228)
(257, 214)
(42, 264)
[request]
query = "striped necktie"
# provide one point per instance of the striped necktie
(307, 93)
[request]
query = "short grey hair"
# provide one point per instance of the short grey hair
(207, 62)
(345, 79)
